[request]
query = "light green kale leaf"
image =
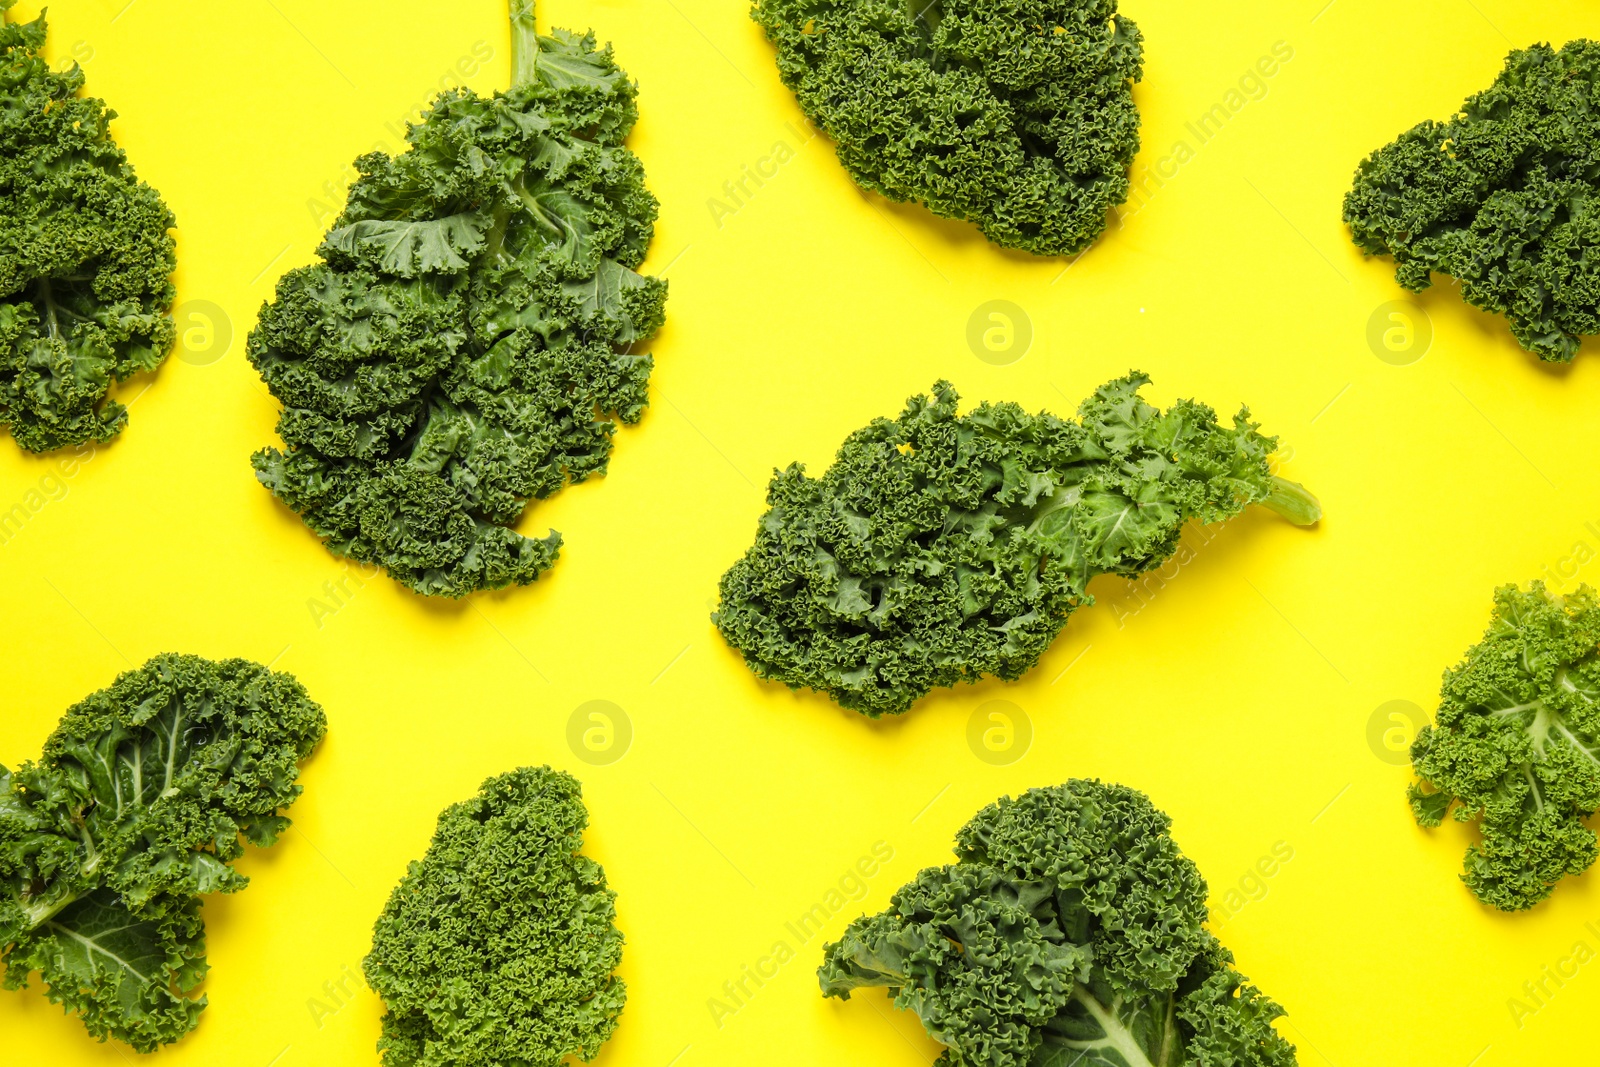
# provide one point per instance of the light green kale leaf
(940, 548)
(1515, 746)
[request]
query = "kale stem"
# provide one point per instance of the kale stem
(37, 915)
(47, 298)
(524, 43)
(1293, 501)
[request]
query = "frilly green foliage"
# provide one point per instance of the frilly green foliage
(1017, 115)
(142, 798)
(498, 947)
(1501, 197)
(86, 259)
(940, 548)
(1516, 746)
(1070, 934)
(467, 339)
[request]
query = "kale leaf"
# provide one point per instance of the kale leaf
(1071, 932)
(499, 945)
(1516, 746)
(1501, 197)
(86, 259)
(469, 330)
(136, 808)
(1017, 115)
(940, 548)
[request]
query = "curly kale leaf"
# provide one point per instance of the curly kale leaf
(1516, 746)
(136, 808)
(465, 345)
(940, 548)
(86, 259)
(499, 945)
(1017, 115)
(1502, 197)
(1069, 934)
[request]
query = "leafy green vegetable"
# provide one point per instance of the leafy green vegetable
(85, 257)
(1501, 197)
(498, 947)
(1017, 115)
(1516, 746)
(136, 807)
(470, 327)
(1070, 934)
(940, 548)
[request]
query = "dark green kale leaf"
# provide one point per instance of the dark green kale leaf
(1502, 197)
(466, 344)
(1069, 934)
(1516, 746)
(499, 946)
(143, 797)
(1017, 115)
(940, 548)
(86, 259)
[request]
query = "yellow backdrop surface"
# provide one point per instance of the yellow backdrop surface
(1248, 688)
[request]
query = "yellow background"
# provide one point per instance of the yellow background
(1239, 692)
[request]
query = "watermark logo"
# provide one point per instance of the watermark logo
(599, 732)
(1399, 332)
(325, 208)
(739, 190)
(339, 592)
(999, 733)
(999, 332)
(52, 487)
(335, 995)
(1139, 593)
(1391, 729)
(78, 55)
(1254, 885)
(1539, 991)
(848, 890)
(1252, 85)
(1565, 570)
(205, 333)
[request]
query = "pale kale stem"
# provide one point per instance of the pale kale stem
(39, 914)
(495, 241)
(1118, 1036)
(1165, 1055)
(1293, 501)
(554, 223)
(1289, 499)
(524, 44)
(1539, 729)
(1064, 497)
(1589, 753)
(48, 298)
